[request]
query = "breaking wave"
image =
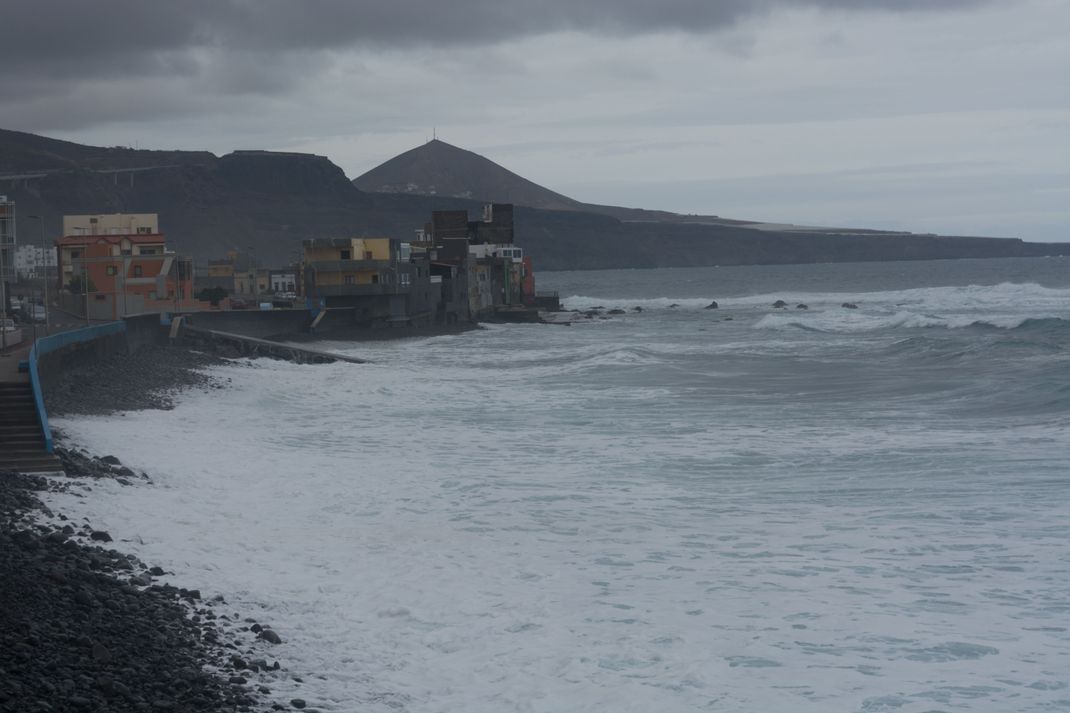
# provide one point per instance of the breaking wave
(854, 323)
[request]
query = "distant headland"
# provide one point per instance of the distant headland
(268, 202)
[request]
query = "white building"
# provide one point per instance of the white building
(485, 250)
(34, 261)
(7, 250)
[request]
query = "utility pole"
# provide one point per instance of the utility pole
(3, 298)
(85, 286)
(44, 268)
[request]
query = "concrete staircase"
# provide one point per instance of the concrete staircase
(22, 444)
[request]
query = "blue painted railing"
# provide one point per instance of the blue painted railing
(53, 343)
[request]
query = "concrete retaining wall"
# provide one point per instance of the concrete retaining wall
(144, 330)
(67, 350)
(252, 323)
(54, 354)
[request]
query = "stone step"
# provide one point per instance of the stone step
(10, 438)
(25, 414)
(13, 435)
(29, 420)
(33, 459)
(32, 445)
(46, 465)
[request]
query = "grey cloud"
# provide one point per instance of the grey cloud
(135, 37)
(56, 49)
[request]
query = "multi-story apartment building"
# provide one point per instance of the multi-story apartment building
(7, 250)
(381, 279)
(33, 261)
(114, 265)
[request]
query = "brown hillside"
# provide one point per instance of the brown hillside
(28, 153)
(439, 169)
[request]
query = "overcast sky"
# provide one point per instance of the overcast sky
(949, 116)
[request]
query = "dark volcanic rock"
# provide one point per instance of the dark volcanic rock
(780, 304)
(802, 306)
(849, 305)
(74, 636)
(128, 382)
(712, 305)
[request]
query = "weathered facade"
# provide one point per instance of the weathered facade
(106, 274)
(374, 277)
(7, 250)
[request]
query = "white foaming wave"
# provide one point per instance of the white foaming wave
(853, 322)
(529, 546)
(581, 303)
(1019, 296)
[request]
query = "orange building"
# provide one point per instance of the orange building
(110, 276)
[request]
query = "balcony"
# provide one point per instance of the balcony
(357, 290)
(349, 265)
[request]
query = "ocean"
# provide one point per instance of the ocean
(678, 509)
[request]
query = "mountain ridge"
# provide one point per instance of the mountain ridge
(267, 202)
(437, 168)
(442, 169)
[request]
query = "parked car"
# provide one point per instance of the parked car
(12, 333)
(31, 312)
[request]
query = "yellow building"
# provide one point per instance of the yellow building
(220, 268)
(338, 266)
(111, 224)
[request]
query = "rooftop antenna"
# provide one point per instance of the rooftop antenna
(434, 133)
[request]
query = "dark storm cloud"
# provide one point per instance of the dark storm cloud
(121, 37)
(70, 63)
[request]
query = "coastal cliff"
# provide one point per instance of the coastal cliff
(267, 202)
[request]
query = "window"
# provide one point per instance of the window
(367, 254)
(110, 270)
(144, 231)
(375, 278)
(148, 251)
(349, 279)
(346, 254)
(137, 270)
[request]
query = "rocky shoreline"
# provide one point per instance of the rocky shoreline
(84, 627)
(130, 382)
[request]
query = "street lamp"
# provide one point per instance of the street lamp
(256, 276)
(44, 271)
